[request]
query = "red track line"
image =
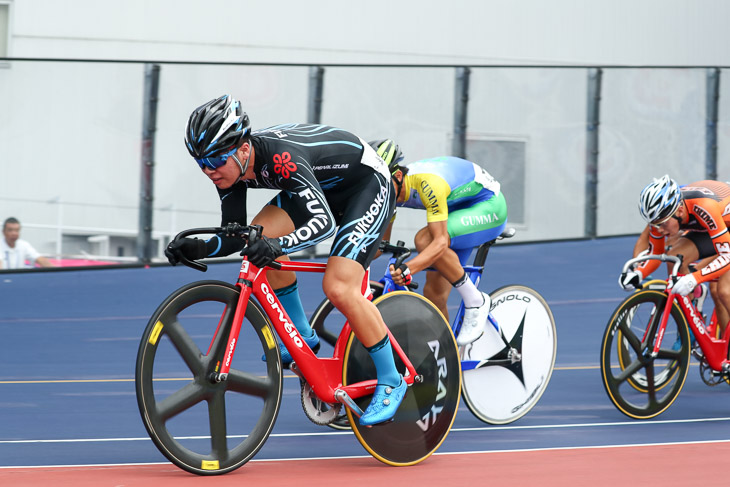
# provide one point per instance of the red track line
(665, 465)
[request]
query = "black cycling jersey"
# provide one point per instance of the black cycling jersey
(328, 178)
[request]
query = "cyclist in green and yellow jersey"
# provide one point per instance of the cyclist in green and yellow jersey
(464, 208)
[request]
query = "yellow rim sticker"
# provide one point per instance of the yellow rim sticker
(269, 338)
(155, 335)
(210, 465)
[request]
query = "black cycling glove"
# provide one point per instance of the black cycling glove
(190, 248)
(262, 250)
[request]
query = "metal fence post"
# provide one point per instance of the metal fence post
(593, 122)
(314, 112)
(461, 103)
(712, 101)
(149, 127)
(314, 101)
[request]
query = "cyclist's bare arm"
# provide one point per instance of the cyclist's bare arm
(386, 236)
(642, 243)
(432, 243)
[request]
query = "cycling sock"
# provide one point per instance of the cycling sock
(469, 293)
(382, 355)
(292, 303)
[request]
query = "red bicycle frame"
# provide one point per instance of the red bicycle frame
(324, 375)
(714, 349)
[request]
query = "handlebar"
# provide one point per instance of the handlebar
(230, 230)
(631, 263)
(400, 252)
(194, 264)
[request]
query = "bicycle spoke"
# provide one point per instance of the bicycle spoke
(179, 401)
(651, 385)
(250, 384)
(627, 333)
(190, 320)
(668, 353)
(185, 346)
(218, 426)
(640, 384)
(654, 322)
(629, 371)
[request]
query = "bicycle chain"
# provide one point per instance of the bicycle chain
(709, 376)
(318, 411)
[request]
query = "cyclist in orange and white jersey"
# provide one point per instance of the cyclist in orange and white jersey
(703, 209)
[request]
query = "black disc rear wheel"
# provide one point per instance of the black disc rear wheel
(427, 413)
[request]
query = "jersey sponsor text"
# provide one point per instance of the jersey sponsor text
(705, 216)
(468, 221)
(316, 223)
(363, 225)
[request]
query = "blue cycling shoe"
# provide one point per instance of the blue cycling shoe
(384, 404)
(286, 360)
(678, 342)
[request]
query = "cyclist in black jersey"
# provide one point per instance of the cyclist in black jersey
(332, 184)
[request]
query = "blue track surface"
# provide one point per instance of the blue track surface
(69, 344)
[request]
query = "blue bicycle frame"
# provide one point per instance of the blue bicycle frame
(474, 273)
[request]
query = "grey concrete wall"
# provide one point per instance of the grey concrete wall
(70, 132)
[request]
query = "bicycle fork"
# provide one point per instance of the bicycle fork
(663, 324)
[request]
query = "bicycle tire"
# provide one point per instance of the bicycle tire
(644, 309)
(328, 327)
(218, 438)
(638, 379)
(502, 394)
(656, 284)
(427, 413)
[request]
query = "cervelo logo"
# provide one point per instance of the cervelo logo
(229, 355)
(363, 225)
(705, 216)
(468, 221)
(314, 225)
(695, 319)
(283, 164)
(290, 329)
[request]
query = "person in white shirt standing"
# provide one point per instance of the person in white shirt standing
(16, 253)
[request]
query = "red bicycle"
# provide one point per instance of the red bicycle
(209, 409)
(645, 352)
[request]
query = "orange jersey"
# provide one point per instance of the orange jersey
(708, 207)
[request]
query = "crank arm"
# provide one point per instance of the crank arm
(344, 398)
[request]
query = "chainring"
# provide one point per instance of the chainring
(709, 376)
(318, 411)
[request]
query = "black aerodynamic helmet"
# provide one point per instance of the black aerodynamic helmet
(216, 130)
(389, 152)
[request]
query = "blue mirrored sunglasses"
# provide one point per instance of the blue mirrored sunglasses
(215, 162)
